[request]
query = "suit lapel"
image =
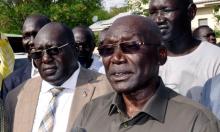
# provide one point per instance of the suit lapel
(83, 94)
(27, 104)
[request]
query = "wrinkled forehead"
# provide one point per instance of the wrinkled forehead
(123, 32)
(166, 3)
(133, 33)
(49, 39)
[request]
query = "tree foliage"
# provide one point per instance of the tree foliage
(70, 12)
(217, 15)
(137, 6)
(217, 12)
(116, 10)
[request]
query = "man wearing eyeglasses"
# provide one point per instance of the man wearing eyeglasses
(132, 53)
(31, 26)
(190, 62)
(52, 102)
(85, 41)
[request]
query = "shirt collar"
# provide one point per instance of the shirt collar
(34, 70)
(155, 107)
(68, 84)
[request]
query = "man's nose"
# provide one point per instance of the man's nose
(159, 17)
(31, 40)
(46, 58)
(118, 57)
(80, 47)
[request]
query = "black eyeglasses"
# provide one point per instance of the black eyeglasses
(83, 46)
(126, 47)
(50, 51)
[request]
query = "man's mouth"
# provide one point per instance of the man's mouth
(120, 76)
(163, 27)
(49, 70)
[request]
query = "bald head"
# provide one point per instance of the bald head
(85, 41)
(135, 25)
(55, 31)
(205, 33)
(83, 34)
(36, 21)
(60, 60)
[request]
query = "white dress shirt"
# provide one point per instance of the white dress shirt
(64, 103)
(34, 70)
(97, 64)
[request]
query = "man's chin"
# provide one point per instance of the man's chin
(122, 88)
(55, 82)
(167, 38)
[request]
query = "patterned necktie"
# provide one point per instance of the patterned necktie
(47, 123)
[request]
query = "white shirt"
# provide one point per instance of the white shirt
(34, 70)
(188, 73)
(64, 103)
(97, 64)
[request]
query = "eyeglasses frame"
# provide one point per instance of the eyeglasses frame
(45, 50)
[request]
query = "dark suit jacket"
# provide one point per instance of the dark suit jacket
(15, 78)
(21, 102)
(3, 123)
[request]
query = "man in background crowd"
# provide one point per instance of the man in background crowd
(205, 33)
(31, 26)
(190, 62)
(85, 41)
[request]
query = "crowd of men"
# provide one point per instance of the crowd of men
(152, 74)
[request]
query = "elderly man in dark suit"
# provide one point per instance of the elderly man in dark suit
(31, 26)
(52, 101)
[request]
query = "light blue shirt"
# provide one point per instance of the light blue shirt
(211, 95)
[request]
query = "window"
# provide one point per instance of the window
(203, 21)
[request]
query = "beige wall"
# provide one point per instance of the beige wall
(205, 12)
(218, 40)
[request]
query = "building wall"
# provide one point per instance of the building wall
(206, 13)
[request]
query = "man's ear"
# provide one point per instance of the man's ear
(162, 55)
(191, 9)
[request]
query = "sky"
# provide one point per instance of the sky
(113, 3)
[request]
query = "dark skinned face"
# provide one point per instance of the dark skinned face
(169, 17)
(206, 34)
(29, 31)
(84, 43)
(55, 69)
(128, 72)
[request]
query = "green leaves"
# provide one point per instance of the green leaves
(70, 12)
(138, 6)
